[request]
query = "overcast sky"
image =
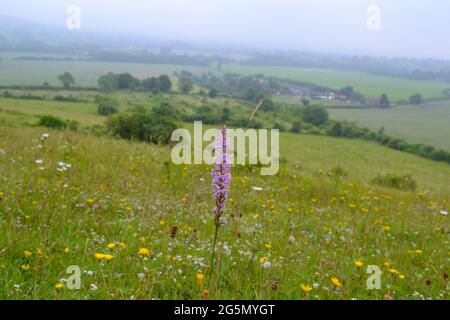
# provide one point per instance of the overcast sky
(416, 28)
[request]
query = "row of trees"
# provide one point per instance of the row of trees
(120, 81)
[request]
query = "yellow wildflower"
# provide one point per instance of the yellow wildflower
(200, 278)
(25, 267)
(27, 253)
(59, 286)
(90, 201)
(393, 271)
(359, 263)
(99, 256)
(144, 252)
(336, 282)
(306, 288)
(108, 257)
(111, 245)
(263, 259)
(66, 250)
(268, 246)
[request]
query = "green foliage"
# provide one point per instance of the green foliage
(66, 79)
(142, 125)
(315, 115)
(415, 99)
(405, 182)
(384, 100)
(296, 126)
(50, 121)
(162, 83)
(185, 85)
(106, 105)
(213, 93)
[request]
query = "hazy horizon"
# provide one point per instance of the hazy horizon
(408, 28)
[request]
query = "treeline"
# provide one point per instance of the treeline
(120, 81)
(350, 130)
(30, 96)
(162, 58)
(250, 88)
(415, 69)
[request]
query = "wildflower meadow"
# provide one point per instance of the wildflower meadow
(85, 217)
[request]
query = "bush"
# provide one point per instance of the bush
(106, 105)
(142, 125)
(72, 125)
(213, 93)
(66, 99)
(296, 127)
(405, 183)
(315, 115)
(52, 122)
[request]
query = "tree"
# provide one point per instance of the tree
(164, 83)
(150, 83)
(336, 130)
(305, 101)
(384, 100)
(296, 126)
(185, 85)
(213, 93)
(108, 82)
(143, 125)
(250, 95)
(315, 115)
(415, 99)
(347, 91)
(126, 81)
(67, 79)
(226, 114)
(165, 109)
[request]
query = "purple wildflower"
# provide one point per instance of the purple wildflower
(221, 175)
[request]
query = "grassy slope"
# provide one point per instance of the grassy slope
(427, 123)
(308, 225)
(369, 85)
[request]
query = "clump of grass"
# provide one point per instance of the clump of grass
(405, 182)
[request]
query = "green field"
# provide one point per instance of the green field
(86, 73)
(369, 85)
(427, 123)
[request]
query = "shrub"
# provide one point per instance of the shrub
(106, 105)
(142, 125)
(405, 183)
(72, 125)
(315, 115)
(296, 127)
(213, 93)
(52, 122)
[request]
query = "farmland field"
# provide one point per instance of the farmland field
(86, 73)
(369, 85)
(427, 123)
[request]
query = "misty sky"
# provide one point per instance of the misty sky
(415, 28)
